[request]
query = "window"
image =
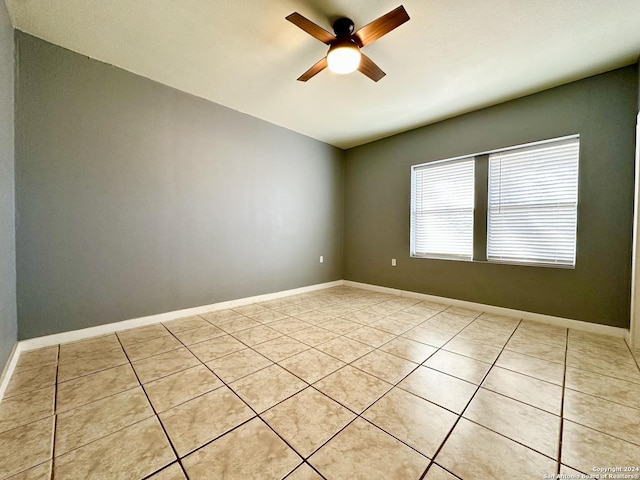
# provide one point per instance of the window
(442, 209)
(533, 204)
(526, 198)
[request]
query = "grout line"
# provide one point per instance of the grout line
(564, 384)
(55, 417)
(175, 452)
(444, 441)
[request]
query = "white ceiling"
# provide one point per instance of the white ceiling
(452, 57)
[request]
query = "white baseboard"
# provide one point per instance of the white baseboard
(9, 368)
(75, 335)
(510, 312)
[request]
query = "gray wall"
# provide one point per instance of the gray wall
(602, 110)
(135, 199)
(8, 326)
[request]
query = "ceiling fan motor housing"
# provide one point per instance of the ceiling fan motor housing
(343, 27)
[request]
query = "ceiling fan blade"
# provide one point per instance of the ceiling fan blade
(317, 68)
(311, 28)
(381, 26)
(370, 69)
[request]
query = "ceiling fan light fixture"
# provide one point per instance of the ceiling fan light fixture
(344, 58)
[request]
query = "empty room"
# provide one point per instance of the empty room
(319, 240)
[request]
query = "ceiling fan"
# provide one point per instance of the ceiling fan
(344, 54)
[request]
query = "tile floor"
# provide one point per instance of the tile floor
(338, 384)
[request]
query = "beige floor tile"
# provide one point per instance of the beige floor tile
(312, 365)
(383, 309)
(605, 366)
(529, 390)
(449, 322)
(29, 380)
(483, 335)
(172, 472)
(362, 317)
(280, 348)
(315, 317)
(530, 426)
(142, 334)
(532, 366)
(459, 366)
(345, 349)
(295, 309)
(91, 363)
(39, 472)
(251, 451)
(390, 325)
(75, 428)
(164, 364)
(426, 309)
(607, 342)
(37, 358)
(473, 349)
(545, 351)
(385, 366)
(71, 352)
(363, 452)
(149, 348)
(268, 316)
(609, 388)
(408, 349)
(467, 312)
(313, 336)
(238, 364)
(307, 420)
(438, 473)
(255, 335)
(184, 324)
(584, 448)
(26, 408)
(237, 324)
(371, 336)
(501, 321)
(570, 471)
(200, 334)
(406, 317)
(134, 452)
(544, 328)
(216, 347)
(220, 316)
(303, 472)
(353, 388)
(177, 388)
(265, 388)
(578, 348)
(26, 446)
(83, 390)
(472, 451)
(444, 390)
(250, 309)
(602, 415)
(340, 325)
(430, 336)
(288, 325)
(540, 337)
(411, 419)
(198, 421)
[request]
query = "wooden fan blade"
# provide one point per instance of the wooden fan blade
(311, 28)
(370, 69)
(381, 26)
(317, 68)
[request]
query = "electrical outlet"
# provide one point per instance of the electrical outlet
(321, 258)
(393, 262)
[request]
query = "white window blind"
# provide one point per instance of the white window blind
(442, 209)
(532, 205)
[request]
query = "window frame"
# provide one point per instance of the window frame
(481, 207)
